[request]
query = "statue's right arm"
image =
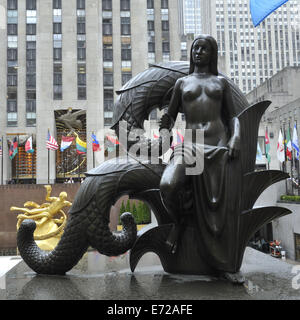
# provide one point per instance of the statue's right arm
(168, 119)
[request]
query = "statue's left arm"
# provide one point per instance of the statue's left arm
(233, 122)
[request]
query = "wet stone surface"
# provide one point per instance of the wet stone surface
(97, 277)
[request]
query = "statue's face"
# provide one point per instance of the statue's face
(201, 52)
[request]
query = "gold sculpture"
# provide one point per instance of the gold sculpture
(49, 217)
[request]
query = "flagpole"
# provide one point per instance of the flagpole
(291, 159)
(48, 162)
(2, 162)
(93, 154)
(18, 157)
(298, 163)
(268, 165)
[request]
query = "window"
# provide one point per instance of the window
(30, 4)
(12, 4)
(11, 105)
(12, 80)
(107, 5)
(12, 54)
(150, 25)
(30, 81)
(151, 46)
(57, 92)
(107, 53)
(56, 4)
(126, 76)
(107, 27)
(150, 4)
(57, 54)
(165, 25)
(164, 4)
(80, 4)
(126, 54)
(80, 28)
(12, 29)
(125, 5)
(125, 26)
(81, 54)
(30, 29)
(166, 47)
(57, 27)
(81, 93)
(108, 79)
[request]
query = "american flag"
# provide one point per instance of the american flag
(51, 143)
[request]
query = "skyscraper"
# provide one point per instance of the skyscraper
(191, 15)
(251, 54)
(62, 55)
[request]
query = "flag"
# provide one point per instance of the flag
(95, 143)
(295, 143)
(260, 9)
(28, 146)
(179, 139)
(155, 136)
(66, 142)
(80, 146)
(1, 151)
(280, 148)
(258, 153)
(112, 140)
(13, 149)
(51, 143)
(288, 145)
(267, 147)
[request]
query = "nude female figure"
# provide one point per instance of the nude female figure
(205, 98)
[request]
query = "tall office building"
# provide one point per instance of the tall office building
(251, 54)
(67, 56)
(190, 16)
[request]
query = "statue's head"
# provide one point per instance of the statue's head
(63, 196)
(210, 57)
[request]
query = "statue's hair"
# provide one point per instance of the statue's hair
(213, 65)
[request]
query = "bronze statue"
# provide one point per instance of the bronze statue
(205, 220)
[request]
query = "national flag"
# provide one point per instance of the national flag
(155, 136)
(258, 153)
(267, 146)
(66, 142)
(260, 9)
(95, 143)
(51, 143)
(179, 139)
(288, 145)
(280, 148)
(112, 140)
(28, 146)
(80, 146)
(295, 143)
(13, 149)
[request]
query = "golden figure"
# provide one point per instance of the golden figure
(49, 217)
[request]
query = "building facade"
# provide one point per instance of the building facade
(253, 54)
(65, 56)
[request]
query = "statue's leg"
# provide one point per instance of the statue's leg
(172, 187)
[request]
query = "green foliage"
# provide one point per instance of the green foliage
(290, 198)
(139, 210)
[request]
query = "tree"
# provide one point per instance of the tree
(128, 209)
(135, 214)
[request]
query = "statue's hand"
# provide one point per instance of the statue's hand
(166, 122)
(234, 146)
